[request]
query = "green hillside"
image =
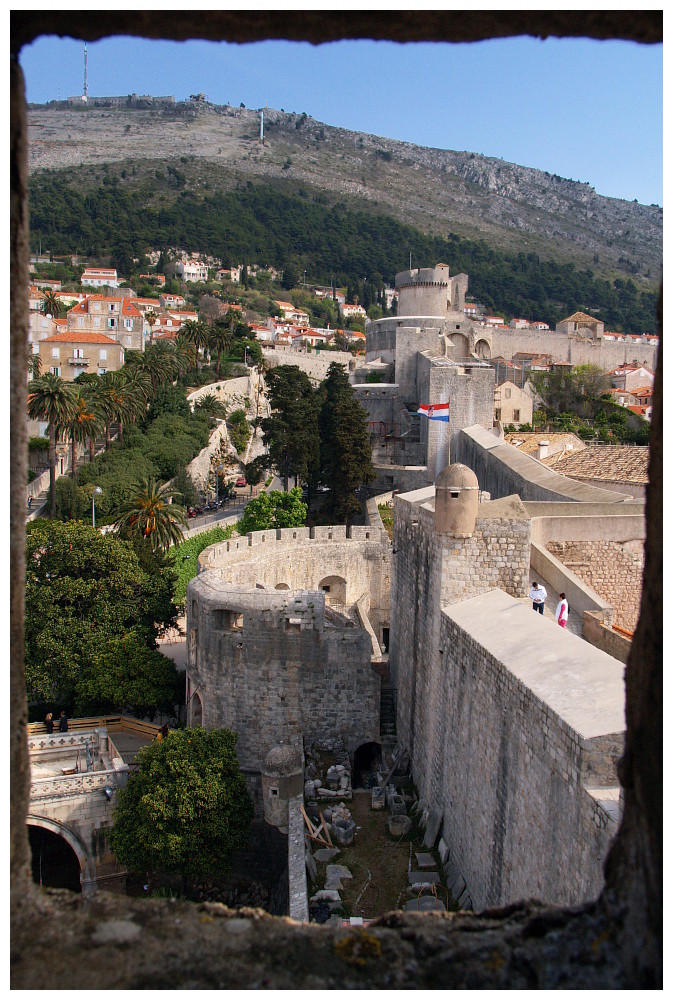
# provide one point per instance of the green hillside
(290, 225)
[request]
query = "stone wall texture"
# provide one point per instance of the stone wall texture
(433, 570)
(607, 354)
(614, 570)
(508, 775)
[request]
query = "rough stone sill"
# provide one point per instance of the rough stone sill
(113, 942)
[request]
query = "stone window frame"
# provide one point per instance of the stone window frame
(624, 926)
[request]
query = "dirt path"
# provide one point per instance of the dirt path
(372, 851)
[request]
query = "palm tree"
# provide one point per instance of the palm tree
(125, 400)
(52, 305)
(34, 365)
(157, 361)
(54, 400)
(149, 518)
(210, 404)
(220, 338)
(195, 333)
(151, 318)
(86, 423)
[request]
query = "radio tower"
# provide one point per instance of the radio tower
(86, 89)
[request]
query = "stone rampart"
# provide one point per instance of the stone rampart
(607, 354)
(350, 561)
(523, 743)
(502, 470)
(614, 570)
(603, 636)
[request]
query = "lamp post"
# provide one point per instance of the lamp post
(96, 490)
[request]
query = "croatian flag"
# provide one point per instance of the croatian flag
(435, 411)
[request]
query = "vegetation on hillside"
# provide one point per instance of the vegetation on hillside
(301, 230)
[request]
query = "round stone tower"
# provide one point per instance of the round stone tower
(282, 778)
(424, 291)
(456, 501)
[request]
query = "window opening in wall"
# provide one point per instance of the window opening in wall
(326, 589)
(516, 415)
(273, 791)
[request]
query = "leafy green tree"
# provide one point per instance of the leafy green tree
(274, 510)
(185, 809)
(148, 517)
(92, 618)
(345, 450)
(184, 558)
(291, 432)
(196, 333)
(239, 429)
(53, 400)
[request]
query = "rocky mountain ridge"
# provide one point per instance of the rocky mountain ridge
(508, 206)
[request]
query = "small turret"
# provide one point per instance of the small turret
(282, 778)
(456, 501)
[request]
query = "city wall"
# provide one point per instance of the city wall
(505, 754)
(613, 569)
(529, 799)
(502, 470)
(607, 354)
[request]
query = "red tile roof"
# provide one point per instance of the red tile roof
(79, 337)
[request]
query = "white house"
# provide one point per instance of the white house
(192, 270)
(100, 277)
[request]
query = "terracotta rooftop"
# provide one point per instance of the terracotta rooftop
(79, 337)
(580, 317)
(530, 441)
(625, 463)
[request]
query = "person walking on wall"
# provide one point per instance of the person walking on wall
(562, 611)
(538, 596)
(63, 723)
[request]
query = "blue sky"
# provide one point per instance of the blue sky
(591, 111)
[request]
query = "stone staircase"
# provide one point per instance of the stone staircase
(388, 713)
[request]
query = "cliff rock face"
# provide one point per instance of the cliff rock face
(474, 196)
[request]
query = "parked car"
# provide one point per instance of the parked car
(241, 481)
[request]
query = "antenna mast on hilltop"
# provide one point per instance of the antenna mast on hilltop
(86, 88)
(261, 128)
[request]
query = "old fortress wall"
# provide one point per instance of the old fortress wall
(514, 727)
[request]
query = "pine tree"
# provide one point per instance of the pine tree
(345, 450)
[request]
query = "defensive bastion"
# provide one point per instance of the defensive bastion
(282, 627)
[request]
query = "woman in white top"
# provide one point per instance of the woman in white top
(562, 611)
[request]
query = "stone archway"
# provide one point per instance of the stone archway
(365, 759)
(482, 348)
(87, 868)
(334, 588)
(282, 586)
(197, 710)
(461, 346)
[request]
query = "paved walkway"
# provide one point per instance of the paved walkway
(574, 618)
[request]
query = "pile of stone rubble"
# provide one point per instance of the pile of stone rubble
(323, 782)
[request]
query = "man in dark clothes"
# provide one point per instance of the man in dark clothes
(63, 723)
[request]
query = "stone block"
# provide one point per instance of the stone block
(432, 829)
(443, 850)
(324, 854)
(456, 887)
(338, 871)
(311, 866)
(397, 805)
(424, 904)
(423, 878)
(343, 833)
(399, 824)
(424, 860)
(378, 798)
